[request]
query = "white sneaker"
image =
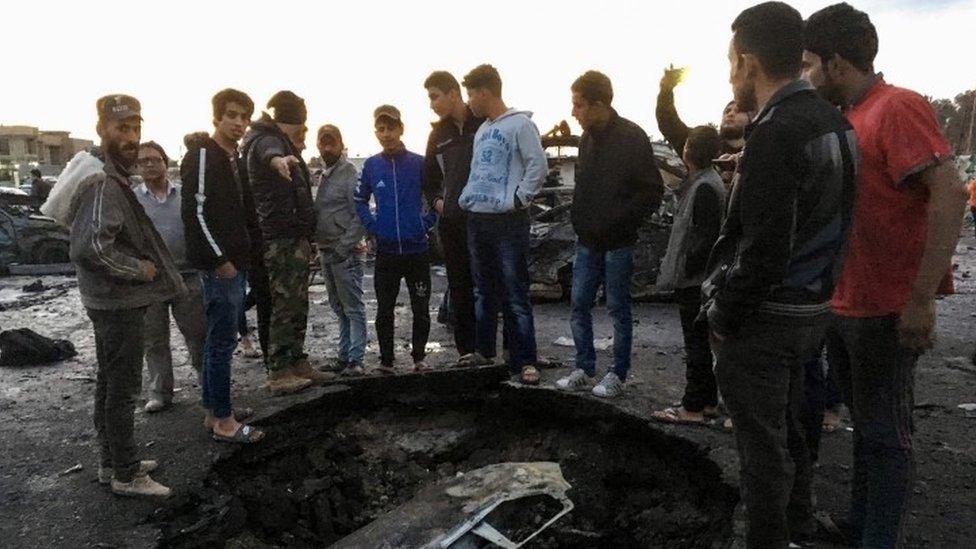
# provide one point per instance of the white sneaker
(609, 387)
(577, 380)
(106, 474)
(140, 485)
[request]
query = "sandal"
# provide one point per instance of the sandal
(240, 414)
(529, 375)
(245, 434)
(473, 360)
(676, 416)
(420, 366)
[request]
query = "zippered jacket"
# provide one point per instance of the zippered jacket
(400, 223)
(447, 163)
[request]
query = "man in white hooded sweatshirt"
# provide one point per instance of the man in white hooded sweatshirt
(507, 168)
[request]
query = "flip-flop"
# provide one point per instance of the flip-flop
(529, 376)
(673, 415)
(245, 434)
(240, 414)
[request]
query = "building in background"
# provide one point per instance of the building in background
(23, 148)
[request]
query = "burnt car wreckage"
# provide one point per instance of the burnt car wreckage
(553, 238)
(27, 237)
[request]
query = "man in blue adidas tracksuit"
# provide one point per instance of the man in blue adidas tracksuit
(399, 226)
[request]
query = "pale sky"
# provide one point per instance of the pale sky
(347, 57)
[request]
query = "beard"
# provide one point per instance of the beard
(126, 154)
(745, 96)
(731, 132)
(330, 159)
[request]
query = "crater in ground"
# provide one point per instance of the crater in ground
(332, 465)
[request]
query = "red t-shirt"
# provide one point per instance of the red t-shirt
(898, 137)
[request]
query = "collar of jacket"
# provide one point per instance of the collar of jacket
(691, 179)
(115, 170)
(329, 170)
(789, 90)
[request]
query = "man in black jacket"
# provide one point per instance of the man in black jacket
(282, 194)
(220, 230)
(447, 164)
(773, 266)
(617, 187)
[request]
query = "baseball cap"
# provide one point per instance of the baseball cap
(389, 111)
(118, 107)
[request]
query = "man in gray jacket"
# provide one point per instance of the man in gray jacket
(340, 237)
(123, 267)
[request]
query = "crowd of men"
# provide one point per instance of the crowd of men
(822, 213)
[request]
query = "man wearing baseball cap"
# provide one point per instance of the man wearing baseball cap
(123, 267)
(393, 179)
(283, 198)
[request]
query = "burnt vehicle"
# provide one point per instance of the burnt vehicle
(26, 236)
(553, 239)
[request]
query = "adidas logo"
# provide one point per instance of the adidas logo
(381, 185)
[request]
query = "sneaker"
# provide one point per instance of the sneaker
(304, 370)
(577, 380)
(284, 382)
(334, 365)
(609, 387)
(106, 474)
(354, 369)
(140, 485)
(155, 405)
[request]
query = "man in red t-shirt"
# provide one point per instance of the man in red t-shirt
(906, 224)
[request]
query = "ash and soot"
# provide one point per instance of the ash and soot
(376, 448)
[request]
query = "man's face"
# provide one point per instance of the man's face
(818, 74)
(233, 122)
(741, 76)
(121, 139)
(296, 134)
(330, 148)
(388, 133)
(583, 111)
(152, 167)
(442, 103)
(734, 122)
(478, 101)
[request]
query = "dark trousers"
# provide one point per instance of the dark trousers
(820, 393)
(972, 210)
(118, 349)
(877, 377)
(457, 259)
(223, 300)
(700, 388)
(760, 375)
(499, 245)
(390, 269)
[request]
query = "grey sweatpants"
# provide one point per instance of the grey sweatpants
(191, 320)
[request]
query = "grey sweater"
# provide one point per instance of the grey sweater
(337, 227)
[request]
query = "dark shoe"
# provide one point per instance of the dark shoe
(334, 365)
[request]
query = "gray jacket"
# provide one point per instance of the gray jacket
(337, 227)
(674, 274)
(110, 233)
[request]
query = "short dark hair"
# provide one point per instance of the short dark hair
(443, 81)
(840, 29)
(703, 144)
(329, 129)
(484, 77)
(156, 147)
(230, 95)
(36, 172)
(594, 86)
(773, 32)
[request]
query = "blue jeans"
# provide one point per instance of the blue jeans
(223, 300)
(614, 269)
(344, 282)
(499, 245)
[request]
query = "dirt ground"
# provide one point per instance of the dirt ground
(46, 432)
